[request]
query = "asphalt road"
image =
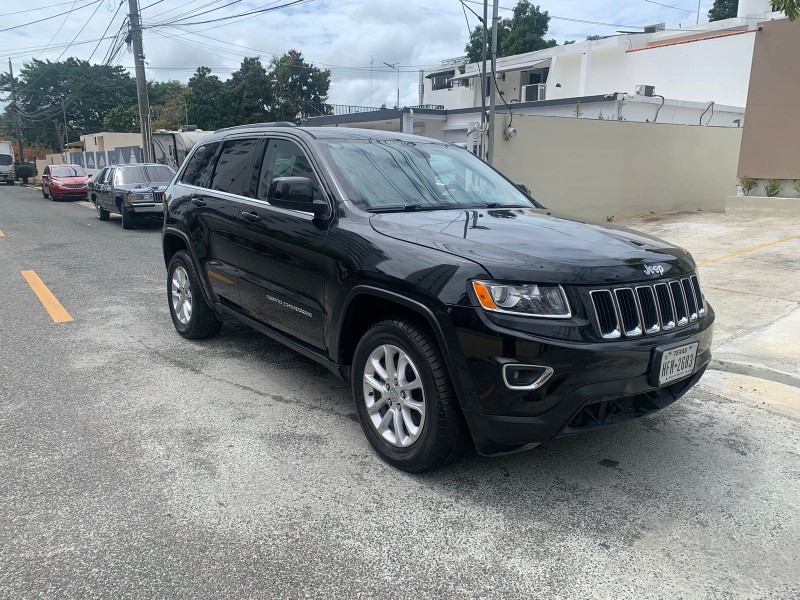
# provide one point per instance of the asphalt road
(135, 464)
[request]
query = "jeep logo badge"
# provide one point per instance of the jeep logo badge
(653, 269)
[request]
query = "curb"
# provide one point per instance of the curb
(757, 371)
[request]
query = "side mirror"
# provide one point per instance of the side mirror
(524, 188)
(295, 193)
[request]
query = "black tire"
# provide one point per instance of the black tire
(203, 322)
(10, 182)
(102, 213)
(127, 217)
(444, 436)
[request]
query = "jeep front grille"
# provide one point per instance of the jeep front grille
(647, 309)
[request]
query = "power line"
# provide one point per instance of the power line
(28, 10)
(50, 17)
(66, 18)
(669, 6)
(253, 12)
(116, 12)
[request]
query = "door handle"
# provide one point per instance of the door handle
(250, 216)
(198, 202)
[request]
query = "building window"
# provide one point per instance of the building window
(442, 81)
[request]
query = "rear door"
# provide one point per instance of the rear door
(282, 251)
(219, 172)
(105, 193)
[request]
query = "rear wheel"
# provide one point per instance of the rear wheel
(191, 314)
(405, 399)
(102, 213)
(10, 182)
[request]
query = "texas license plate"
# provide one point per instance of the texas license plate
(677, 363)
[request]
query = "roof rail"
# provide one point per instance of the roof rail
(249, 125)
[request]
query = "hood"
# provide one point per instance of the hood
(143, 188)
(533, 245)
(71, 180)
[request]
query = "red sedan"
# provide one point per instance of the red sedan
(61, 182)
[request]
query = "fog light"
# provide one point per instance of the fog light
(525, 377)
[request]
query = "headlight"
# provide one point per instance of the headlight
(137, 197)
(530, 300)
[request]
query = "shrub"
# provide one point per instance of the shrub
(24, 172)
(797, 186)
(773, 188)
(747, 184)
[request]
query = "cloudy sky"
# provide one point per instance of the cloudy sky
(345, 36)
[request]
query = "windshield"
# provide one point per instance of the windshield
(67, 172)
(393, 175)
(144, 174)
(6, 159)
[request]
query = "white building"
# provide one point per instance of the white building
(696, 75)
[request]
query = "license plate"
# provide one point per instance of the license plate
(677, 363)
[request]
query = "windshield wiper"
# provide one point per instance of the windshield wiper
(396, 208)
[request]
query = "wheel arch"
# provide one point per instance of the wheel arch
(366, 305)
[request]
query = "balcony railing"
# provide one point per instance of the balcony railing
(325, 110)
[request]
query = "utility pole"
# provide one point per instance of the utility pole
(66, 132)
(371, 60)
(141, 82)
(493, 83)
(483, 77)
(20, 147)
(186, 110)
(698, 12)
(396, 66)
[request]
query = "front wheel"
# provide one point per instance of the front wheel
(127, 217)
(191, 314)
(405, 399)
(102, 213)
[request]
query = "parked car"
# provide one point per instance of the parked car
(460, 309)
(62, 182)
(131, 191)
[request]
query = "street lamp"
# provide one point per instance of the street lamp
(397, 67)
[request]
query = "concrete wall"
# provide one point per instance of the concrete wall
(107, 140)
(771, 138)
(597, 169)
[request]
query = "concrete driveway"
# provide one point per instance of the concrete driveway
(135, 464)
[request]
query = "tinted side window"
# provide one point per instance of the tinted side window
(201, 166)
(235, 167)
(285, 159)
(109, 176)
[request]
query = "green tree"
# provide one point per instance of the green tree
(208, 101)
(791, 8)
(252, 91)
(723, 9)
(167, 108)
(529, 25)
(122, 119)
(298, 88)
(88, 92)
(523, 32)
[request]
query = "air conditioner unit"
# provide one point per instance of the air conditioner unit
(645, 90)
(655, 28)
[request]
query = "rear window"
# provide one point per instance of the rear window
(234, 169)
(67, 172)
(201, 166)
(145, 174)
(6, 159)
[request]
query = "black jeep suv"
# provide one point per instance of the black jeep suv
(459, 308)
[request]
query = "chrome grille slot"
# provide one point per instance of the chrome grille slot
(605, 313)
(647, 309)
(679, 301)
(690, 300)
(647, 305)
(666, 309)
(628, 312)
(701, 303)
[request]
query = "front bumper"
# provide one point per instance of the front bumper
(145, 208)
(59, 192)
(593, 384)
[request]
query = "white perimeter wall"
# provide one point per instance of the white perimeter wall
(597, 169)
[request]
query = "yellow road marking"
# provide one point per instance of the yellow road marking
(218, 277)
(643, 215)
(57, 312)
(748, 250)
(2, 234)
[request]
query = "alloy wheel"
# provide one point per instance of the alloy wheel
(394, 395)
(181, 295)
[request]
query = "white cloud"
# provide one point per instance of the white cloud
(338, 34)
